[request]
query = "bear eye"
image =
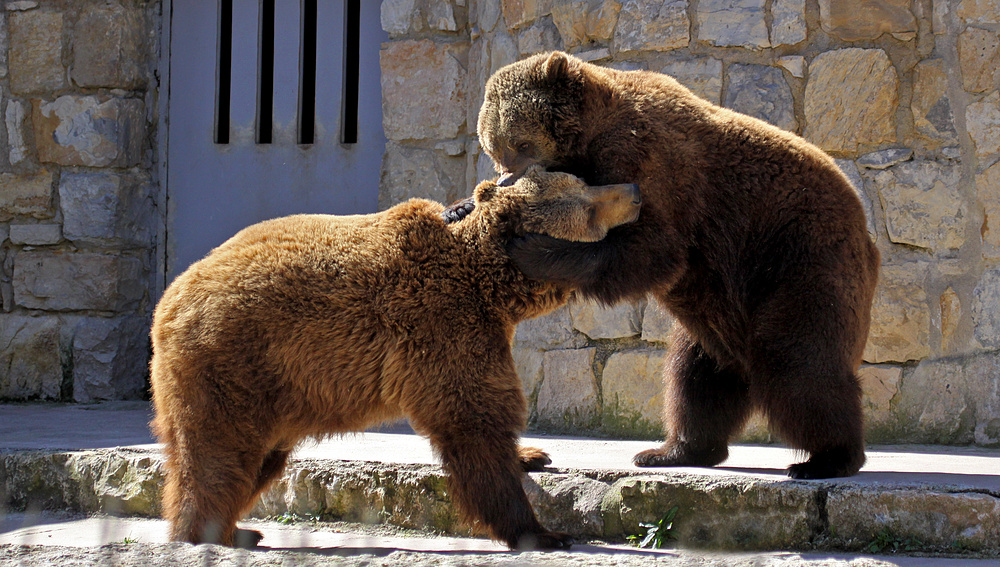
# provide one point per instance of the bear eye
(523, 147)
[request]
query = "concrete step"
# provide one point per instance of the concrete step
(943, 500)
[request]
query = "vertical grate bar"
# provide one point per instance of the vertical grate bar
(223, 72)
(265, 73)
(307, 74)
(352, 53)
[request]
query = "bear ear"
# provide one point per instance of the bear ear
(557, 66)
(485, 191)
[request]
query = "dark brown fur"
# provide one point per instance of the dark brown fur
(314, 325)
(750, 236)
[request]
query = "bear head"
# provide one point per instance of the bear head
(559, 204)
(531, 114)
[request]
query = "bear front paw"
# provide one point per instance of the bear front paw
(458, 210)
(543, 541)
(533, 459)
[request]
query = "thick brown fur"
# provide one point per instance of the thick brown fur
(749, 235)
(313, 325)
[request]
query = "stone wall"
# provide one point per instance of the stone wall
(78, 219)
(904, 93)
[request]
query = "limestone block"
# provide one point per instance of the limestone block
(931, 105)
(788, 24)
(984, 389)
(440, 16)
(650, 25)
(761, 92)
(951, 315)
(110, 46)
(703, 76)
(853, 20)
(884, 159)
(27, 195)
(519, 13)
(656, 323)
(900, 325)
(979, 11)
(93, 131)
(850, 170)
(415, 172)
(570, 18)
(935, 518)
(503, 51)
(599, 322)
(759, 514)
(487, 14)
(423, 89)
(935, 397)
(879, 385)
(851, 99)
(794, 64)
(568, 394)
(986, 309)
(553, 330)
(60, 281)
(30, 357)
(982, 120)
(528, 364)
(4, 47)
(109, 358)
(979, 58)
(923, 205)
(36, 41)
(540, 36)
(35, 234)
(988, 188)
(14, 120)
(567, 503)
(601, 21)
(398, 16)
(632, 383)
(106, 208)
(733, 23)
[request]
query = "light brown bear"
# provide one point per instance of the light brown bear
(313, 325)
(749, 235)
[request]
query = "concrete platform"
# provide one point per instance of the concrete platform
(101, 458)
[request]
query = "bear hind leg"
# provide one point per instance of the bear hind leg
(705, 405)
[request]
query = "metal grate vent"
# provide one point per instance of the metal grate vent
(308, 68)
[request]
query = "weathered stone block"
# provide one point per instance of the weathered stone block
(632, 383)
(567, 503)
(761, 92)
(440, 15)
(60, 281)
(109, 358)
(932, 517)
(853, 20)
(553, 330)
(601, 21)
(988, 188)
(979, 58)
(648, 25)
(27, 195)
(851, 99)
(703, 76)
(30, 357)
(4, 47)
(423, 89)
(528, 364)
(982, 119)
(900, 326)
(923, 205)
(979, 11)
(884, 159)
(14, 120)
(415, 172)
(721, 513)
(519, 13)
(486, 14)
(951, 316)
(570, 18)
(35, 234)
(398, 16)
(935, 398)
(599, 322)
(850, 169)
(656, 323)
(110, 46)
(788, 22)
(984, 390)
(794, 64)
(931, 105)
(36, 43)
(568, 394)
(106, 208)
(733, 23)
(879, 385)
(541, 36)
(93, 131)
(986, 309)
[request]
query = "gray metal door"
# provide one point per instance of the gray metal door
(274, 108)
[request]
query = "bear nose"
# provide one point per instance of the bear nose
(636, 195)
(507, 179)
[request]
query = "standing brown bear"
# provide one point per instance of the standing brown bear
(313, 325)
(750, 236)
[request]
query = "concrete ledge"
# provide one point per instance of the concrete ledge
(716, 510)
